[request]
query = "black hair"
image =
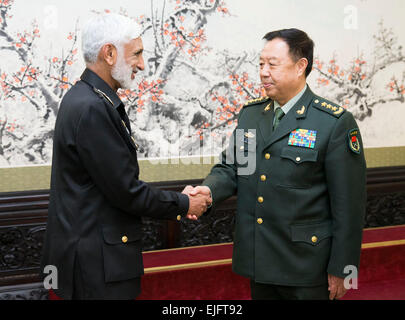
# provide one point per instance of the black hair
(301, 46)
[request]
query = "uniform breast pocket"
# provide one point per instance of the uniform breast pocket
(297, 167)
(122, 252)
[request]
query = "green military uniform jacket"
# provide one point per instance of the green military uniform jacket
(300, 212)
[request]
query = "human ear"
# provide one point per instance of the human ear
(109, 54)
(302, 65)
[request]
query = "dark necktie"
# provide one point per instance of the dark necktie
(278, 115)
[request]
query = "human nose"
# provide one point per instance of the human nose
(265, 70)
(141, 63)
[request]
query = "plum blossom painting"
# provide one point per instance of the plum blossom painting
(201, 67)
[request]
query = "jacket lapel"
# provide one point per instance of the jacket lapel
(123, 125)
(266, 122)
(290, 122)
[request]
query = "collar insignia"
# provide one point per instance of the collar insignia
(103, 95)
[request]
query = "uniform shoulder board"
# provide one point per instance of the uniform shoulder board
(256, 101)
(328, 107)
(103, 95)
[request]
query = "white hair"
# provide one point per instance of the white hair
(105, 29)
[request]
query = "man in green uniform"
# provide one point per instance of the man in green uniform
(300, 211)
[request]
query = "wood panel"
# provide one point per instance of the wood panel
(23, 218)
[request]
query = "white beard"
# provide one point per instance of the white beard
(122, 72)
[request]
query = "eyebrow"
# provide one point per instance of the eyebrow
(139, 51)
(271, 58)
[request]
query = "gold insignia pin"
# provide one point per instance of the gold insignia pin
(339, 111)
(267, 108)
(301, 112)
(324, 104)
(249, 135)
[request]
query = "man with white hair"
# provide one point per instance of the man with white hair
(94, 228)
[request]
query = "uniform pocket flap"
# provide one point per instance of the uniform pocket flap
(117, 235)
(299, 155)
(311, 233)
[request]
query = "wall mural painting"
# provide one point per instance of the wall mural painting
(188, 98)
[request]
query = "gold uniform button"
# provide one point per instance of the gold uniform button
(267, 156)
(260, 199)
(298, 159)
(260, 221)
(263, 178)
(179, 218)
(124, 239)
(314, 239)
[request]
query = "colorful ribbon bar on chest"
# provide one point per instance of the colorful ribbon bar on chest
(303, 138)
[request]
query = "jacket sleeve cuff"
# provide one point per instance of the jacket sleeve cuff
(210, 206)
(184, 205)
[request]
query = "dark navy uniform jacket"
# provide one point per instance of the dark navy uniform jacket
(97, 200)
(300, 213)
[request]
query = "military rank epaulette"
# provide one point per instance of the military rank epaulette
(326, 106)
(256, 101)
(103, 95)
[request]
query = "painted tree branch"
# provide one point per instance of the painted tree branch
(36, 86)
(353, 86)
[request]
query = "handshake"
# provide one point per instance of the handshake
(200, 200)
